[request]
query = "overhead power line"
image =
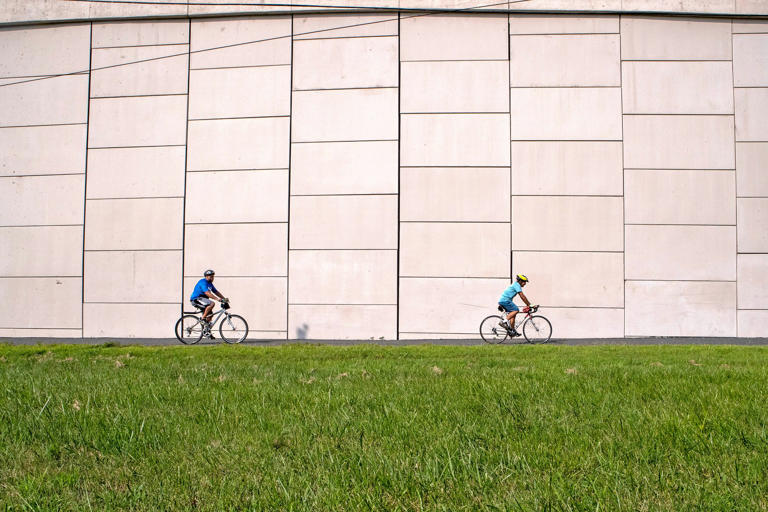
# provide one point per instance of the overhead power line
(256, 41)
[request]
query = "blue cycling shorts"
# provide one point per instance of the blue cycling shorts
(509, 306)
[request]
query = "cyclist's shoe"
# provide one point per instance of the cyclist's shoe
(515, 334)
(211, 336)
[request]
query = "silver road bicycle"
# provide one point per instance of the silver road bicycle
(191, 327)
(535, 328)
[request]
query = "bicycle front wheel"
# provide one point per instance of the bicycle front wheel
(491, 331)
(189, 329)
(233, 329)
(537, 329)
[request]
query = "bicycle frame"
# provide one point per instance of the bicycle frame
(216, 315)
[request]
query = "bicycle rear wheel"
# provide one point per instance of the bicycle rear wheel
(189, 329)
(491, 331)
(233, 329)
(537, 329)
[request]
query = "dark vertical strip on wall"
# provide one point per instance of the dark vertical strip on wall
(623, 187)
(186, 158)
(288, 224)
(735, 179)
(399, 124)
(85, 181)
(509, 95)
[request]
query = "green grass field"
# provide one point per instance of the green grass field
(301, 427)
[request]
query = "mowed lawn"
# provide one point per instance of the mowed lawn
(313, 427)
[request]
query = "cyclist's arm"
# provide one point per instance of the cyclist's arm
(525, 299)
(210, 295)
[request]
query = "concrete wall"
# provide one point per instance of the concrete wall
(382, 176)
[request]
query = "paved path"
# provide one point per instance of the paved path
(477, 341)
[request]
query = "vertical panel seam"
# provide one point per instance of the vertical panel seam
(85, 180)
(186, 165)
(290, 164)
(509, 107)
(623, 187)
(735, 179)
(399, 172)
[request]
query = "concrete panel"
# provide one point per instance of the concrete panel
(679, 197)
(22, 10)
(752, 221)
(454, 194)
(104, 10)
(659, 38)
(677, 88)
(237, 196)
(697, 6)
(678, 142)
(565, 60)
(251, 249)
(344, 168)
(40, 333)
(132, 276)
(567, 223)
(753, 324)
(344, 222)
(567, 5)
(335, 115)
(443, 305)
(454, 140)
(134, 224)
(56, 300)
(41, 251)
(751, 169)
(144, 121)
(562, 24)
(129, 320)
(343, 277)
(239, 144)
(345, 63)
(240, 92)
(476, 86)
(246, 42)
(323, 26)
(566, 114)
(342, 322)
(136, 172)
(748, 26)
(751, 113)
(750, 7)
(140, 33)
(557, 278)
(681, 253)
(676, 308)
(261, 301)
(50, 101)
(225, 6)
(44, 50)
(580, 323)
(750, 59)
(567, 168)
(453, 37)
(42, 200)
(470, 249)
(42, 150)
(167, 75)
(752, 285)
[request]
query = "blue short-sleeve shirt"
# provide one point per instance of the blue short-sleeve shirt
(201, 287)
(510, 293)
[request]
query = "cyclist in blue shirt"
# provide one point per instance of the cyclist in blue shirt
(203, 293)
(506, 301)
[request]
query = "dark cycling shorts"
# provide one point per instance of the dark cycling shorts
(201, 302)
(509, 306)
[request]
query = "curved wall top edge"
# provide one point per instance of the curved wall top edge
(24, 12)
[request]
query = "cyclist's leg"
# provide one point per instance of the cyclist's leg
(512, 311)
